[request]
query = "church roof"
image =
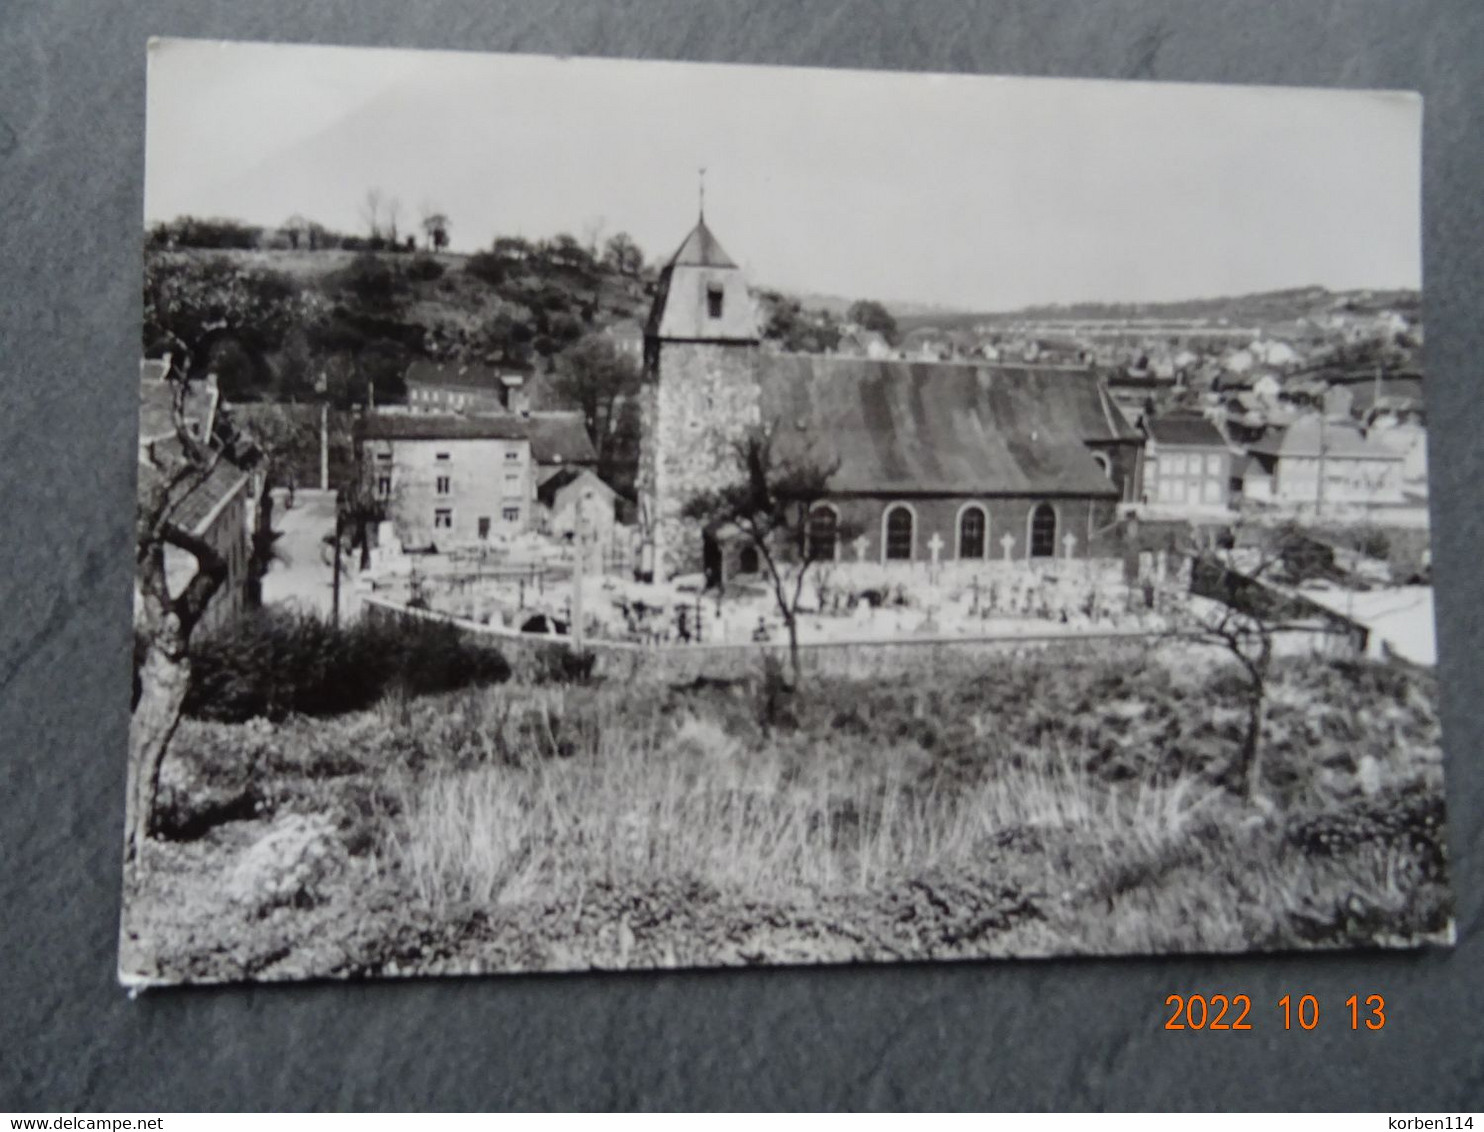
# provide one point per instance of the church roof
(701, 249)
(897, 427)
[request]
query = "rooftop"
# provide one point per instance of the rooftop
(922, 428)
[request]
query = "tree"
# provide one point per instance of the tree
(228, 314)
(770, 503)
(623, 255)
(1237, 609)
(371, 210)
(435, 226)
(599, 378)
(171, 471)
(871, 315)
(297, 229)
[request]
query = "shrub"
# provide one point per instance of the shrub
(273, 664)
(424, 269)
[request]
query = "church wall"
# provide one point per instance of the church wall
(940, 515)
(699, 400)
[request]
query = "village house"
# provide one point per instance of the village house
(459, 479)
(450, 480)
(218, 510)
(579, 508)
(1187, 464)
(1317, 462)
(451, 387)
(932, 461)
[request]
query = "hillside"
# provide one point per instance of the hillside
(1260, 309)
(279, 322)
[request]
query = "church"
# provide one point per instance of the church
(932, 462)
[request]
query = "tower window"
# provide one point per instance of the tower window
(713, 300)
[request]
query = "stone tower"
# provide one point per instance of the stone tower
(700, 391)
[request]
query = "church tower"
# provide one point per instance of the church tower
(700, 390)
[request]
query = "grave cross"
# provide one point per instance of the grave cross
(860, 548)
(1070, 542)
(1008, 542)
(935, 546)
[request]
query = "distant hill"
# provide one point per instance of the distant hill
(1259, 309)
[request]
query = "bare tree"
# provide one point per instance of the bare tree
(592, 234)
(770, 503)
(1238, 608)
(393, 213)
(171, 470)
(371, 213)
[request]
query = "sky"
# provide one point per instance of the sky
(970, 192)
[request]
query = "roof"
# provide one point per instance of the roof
(443, 426)
(682, 309)
(547, 492)
(1304, 437)
(200, 504)
(701, 249)
(921, 428)
(461, 375)
(560, 438)
(1194, 432)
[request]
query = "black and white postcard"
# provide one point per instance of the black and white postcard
(614, 514)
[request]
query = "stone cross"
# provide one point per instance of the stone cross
(1008, 542)
(860, 548)
(935, 546)
(1070, 542)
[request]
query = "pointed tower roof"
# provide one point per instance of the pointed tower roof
(701, 249)
(702, 295)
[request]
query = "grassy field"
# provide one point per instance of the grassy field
(1060, 804)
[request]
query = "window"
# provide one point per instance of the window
(713, 300)
(1213, 464)
(444, 485)
(443, 517)
(972, 527)
(512, 482)
(441, 456)
(1043, 531)
(383, 485)
(1104, 463)
(747, 561)
(383, 457)
(823, 525)
(484, 526)
(512, 454)
(510, 514)
(899, 534)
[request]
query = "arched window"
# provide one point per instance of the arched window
(899, 524)
(1104, 463)
(824, 525)
(973, 529)
(747, 560)
(1043, 531)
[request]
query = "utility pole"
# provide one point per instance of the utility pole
(335, 582)
(1323, 437)
(324, 446)
(577, 641)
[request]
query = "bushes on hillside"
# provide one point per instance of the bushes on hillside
(274, 664)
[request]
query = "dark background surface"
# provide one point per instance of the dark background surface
(1002, 1035)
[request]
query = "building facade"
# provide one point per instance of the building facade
(450, 481)
(1188, 464)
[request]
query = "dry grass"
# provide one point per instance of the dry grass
(776, 822)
